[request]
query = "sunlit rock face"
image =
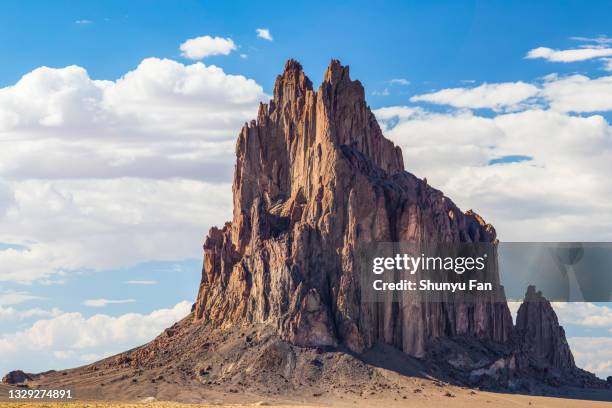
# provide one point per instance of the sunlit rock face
(315, 177)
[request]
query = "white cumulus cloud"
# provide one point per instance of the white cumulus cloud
(6, 198)
(579, 93)
(139, 166)
(562, 192)
(584, 314)
(206, 46)
(106, 223)
(594, 354)
(74, 337)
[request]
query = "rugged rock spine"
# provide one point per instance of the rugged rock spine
(314, 178)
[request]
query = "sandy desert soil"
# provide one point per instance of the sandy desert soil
(429, 395)
(429, 398)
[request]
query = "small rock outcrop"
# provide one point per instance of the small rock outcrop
(16, 377)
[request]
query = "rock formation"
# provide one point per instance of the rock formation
(16, 377)
(539, 334)
(314, 178)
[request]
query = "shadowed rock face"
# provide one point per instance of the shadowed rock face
(314, 178)
(539, 333)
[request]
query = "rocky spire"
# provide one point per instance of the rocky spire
(540, 334)
(290, 89)
(314, 178)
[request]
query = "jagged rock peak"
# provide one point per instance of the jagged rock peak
(540, 334)
(336, 72)
(533, 295)
(315, 178)
(290, 86)
(293, 65)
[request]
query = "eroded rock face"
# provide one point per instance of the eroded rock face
(539, 334)
(314, 178)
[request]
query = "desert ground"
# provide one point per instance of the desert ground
(422, 393)
(429, 398)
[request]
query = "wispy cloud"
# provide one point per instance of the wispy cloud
(105, 302)
(399, 81)
(593, 354)
(83, 22)
(384, 92)
(602, 39)
(264, 33)
(570, 55)
(141, 282)
(13, 298)
(596, 48)
(12, 313)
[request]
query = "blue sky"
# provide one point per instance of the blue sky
(113, 170)
(435, 44)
